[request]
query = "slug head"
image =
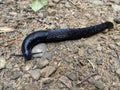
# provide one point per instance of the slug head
(110, 25)
(27, 55)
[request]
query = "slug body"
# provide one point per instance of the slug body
(59, 35)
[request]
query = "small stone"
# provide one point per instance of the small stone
(51, 3)
(1, 87)
(72, 76)
(15, 75)
(1, 52)
(112, 46)
(66, 81)
(91, 81)
(48, 55)
(115, 1)
(67, 5)
(81, 52)
(116, 7)
(9, 66)
(32, 86)
(69, 60)
(35, 74)
(116, 37)
(99, 85)
(24, 31)
(43, 63)
(51, 12)
(118, 72)
(96, 2)
(99, 61)
(118, 43)
(89, 51)
(10, 88)
(99, 48)
(63, 25)
(46, 80)
(28, 66)
(117, 19)
(2, 62)
(40, 48)
(48, 71)
(74, 88)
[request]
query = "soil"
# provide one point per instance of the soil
(86, 64)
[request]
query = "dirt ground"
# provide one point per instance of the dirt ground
(86, 64)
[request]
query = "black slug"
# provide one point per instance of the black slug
(59, 35)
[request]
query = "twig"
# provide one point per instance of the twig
(73, 4)
(85, 79)
(91, 64)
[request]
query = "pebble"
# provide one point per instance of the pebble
(2, 62)
(35, 74)
(48, 55)
(1, 52)
(99, 48)
(116, 7)
(48, 71)
(9, 66)
(81, 52)
(118, 43)
(67, 5)
(96, 2)
(74, 88)
(28, 66)
(63, 25)
(39, 48)
(99, 61)
(69, 60)
(112, 46)
(115, 1)
(72, 76)
(1, 87)
(116, 37)
(117, 19)
(15, 75)
(24, 31)
(32, 86)
(89, 51)
(66, 81)
(91, 81)
(118, 72)
(43, 63)
(99, 85)
(46, 80)
(51, 12)
(10, 88)
(51, 3)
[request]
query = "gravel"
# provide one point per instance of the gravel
(35, 74)
(66, 81)
(117, 19)
(99, 85)
(2, 62)
(48, 71)
(43, 63)
(61, 65)
(16, 75)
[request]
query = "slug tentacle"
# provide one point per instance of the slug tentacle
(60, 35)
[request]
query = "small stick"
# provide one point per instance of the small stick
(92, 75)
